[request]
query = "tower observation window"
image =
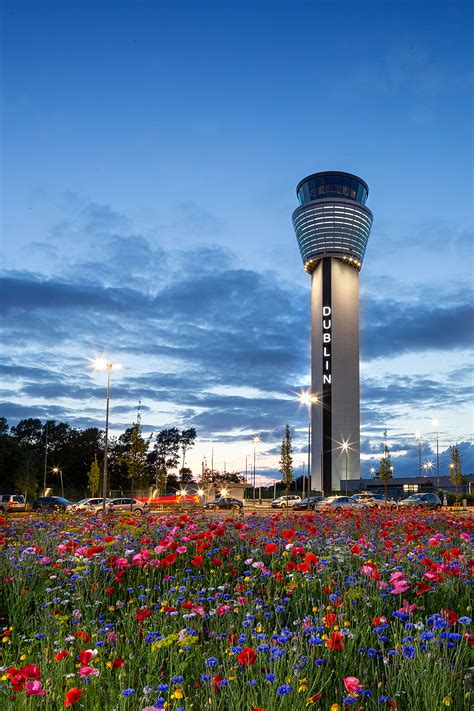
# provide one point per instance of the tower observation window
(326, 185)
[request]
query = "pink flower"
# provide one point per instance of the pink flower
(35, 688)
(399, 582)
(181, 549)
(223, 609)
(352, 683)
(85, 672)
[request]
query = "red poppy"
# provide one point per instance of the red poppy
(117, 663)
(247, 656)
(30, 671)
(143, 614)
(271, 548)
(197, 561)
(450, 616)
(335, 642)
(72, 696)
(330, 619)
(61, 655)
(85, 656)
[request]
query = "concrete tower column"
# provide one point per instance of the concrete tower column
(332, 227)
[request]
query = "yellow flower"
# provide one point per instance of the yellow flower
(315, 609)
(447, 701)
(23, 657)
(347, 623)
(335, 707)
(336, 628)
(178, 694)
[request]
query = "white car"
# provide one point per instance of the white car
(88, 504)
(375, 500)
(286, 502)
(127, 505)
(338, 503)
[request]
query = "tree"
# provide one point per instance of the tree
(186, 440)
(94, 478)
(165, 455)
(135, 459)
(455, 467)
(286, 460)
(385, 469)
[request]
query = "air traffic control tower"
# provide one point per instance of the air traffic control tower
(332, 226)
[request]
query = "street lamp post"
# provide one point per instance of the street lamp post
(436, 423)
(345, 447)
(418, 437)
(100, 364)
(56, 470)
(45, 457)
(255, 441)
(307, 399)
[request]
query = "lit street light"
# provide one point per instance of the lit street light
(428, 466)
(56, 470)
(436, 424)
(307, 398)
(101, 364)
(345, 448)
(372, 470)
(418, 437)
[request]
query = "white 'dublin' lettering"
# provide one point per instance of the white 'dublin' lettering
(326, 347)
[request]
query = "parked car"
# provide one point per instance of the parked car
(338, 503)
(51, 503)
(224, 502)
(284, 502)
(124, 505)
(425, 501)
(307, 504)
(88, 504)
(12, 502)
(375, 500)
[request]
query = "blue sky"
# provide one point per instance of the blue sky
(151, 153)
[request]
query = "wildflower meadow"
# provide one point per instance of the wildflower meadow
(261, 612)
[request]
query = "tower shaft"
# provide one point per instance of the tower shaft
(335, 374)
(332, 226)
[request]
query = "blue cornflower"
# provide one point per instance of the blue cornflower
(320, 662)
(177, 679)
(384, 699)
(252, 682)
(205, 677)
(350, 700)
(426, 636)
(163, 688)
(270, 677)
(127, 692)
(211, 662)
(464, 621)
(408, 652)
(285, 689)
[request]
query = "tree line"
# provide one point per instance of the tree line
(32, 450)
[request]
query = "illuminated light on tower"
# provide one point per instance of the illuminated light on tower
(332, 226)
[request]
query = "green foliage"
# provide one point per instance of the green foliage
(135, 459)
(94, 478)
(455, 466)
(385, 468)
(286, 460)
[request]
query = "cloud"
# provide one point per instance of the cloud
(391, 328)
(186, 323)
